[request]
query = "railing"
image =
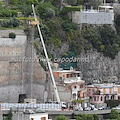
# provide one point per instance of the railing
(30, 106)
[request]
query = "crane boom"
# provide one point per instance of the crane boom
(46, 55)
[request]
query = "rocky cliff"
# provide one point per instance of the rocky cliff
(97, 68)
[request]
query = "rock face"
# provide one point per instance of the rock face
(15, 73)
(95, 66)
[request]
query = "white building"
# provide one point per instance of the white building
(39, 116)
(103, 15)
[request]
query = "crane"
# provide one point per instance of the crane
(46, 55)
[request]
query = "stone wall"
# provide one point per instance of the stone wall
(92, 17)
(15, 73)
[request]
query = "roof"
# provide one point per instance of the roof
(103, 85)
(67, 71)
(105, 7)
(73, 79)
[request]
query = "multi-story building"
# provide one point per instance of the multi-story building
(61, 74)
(103, 15)
(73, 83)
(99, 93)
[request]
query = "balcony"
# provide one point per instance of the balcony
(112, 93)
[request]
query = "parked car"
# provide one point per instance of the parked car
(28, 111)
(106, 108)
(38, 110)
(78, 109)
(100, 108)
(87, 108)
(95, 109)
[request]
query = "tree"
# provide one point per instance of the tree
(117, 20)
(90, 117)
(26, 9)
(13, 1)
(41, 9)
(80, 2)
(10, 114)
(67, 25)
(95, 117)
(94, 3)
(14, 22)
(50, 12)
(61, 117)
(72, 2)
(93, 36)
(114, 114)
(78, 118)
(6, 23)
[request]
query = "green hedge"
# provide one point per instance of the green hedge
(73, 8)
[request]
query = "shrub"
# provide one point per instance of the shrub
(73, 8)
(12, 35)
(41, 9)
(6, 23)
(14, 22)
(61, 117)
(114, 114)
(50, 12)
(67, 25)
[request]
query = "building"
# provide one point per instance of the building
(99, 93)
(72, 82)
(77, 87)
(103, 15)
(39, 116)
(61, 74)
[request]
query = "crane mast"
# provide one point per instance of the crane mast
(46, 55)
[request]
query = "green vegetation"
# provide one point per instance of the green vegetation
(114, 115)
(13, 22)
(57, 28)
(61, 117)
(112, 103)
(117, 24)
(12, 35)
(104, 39)
(78, 101)
(86, 117)
(72, 8)
(9, 116)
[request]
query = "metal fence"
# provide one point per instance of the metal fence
(30, 106)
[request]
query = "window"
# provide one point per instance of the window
(43, 118)
(67, 75)
(101, 98)
(89, 89)
(94, 98)
(75, 87)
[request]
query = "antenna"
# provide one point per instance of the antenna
(46, 55)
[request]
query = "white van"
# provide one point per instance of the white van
(28, 111)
